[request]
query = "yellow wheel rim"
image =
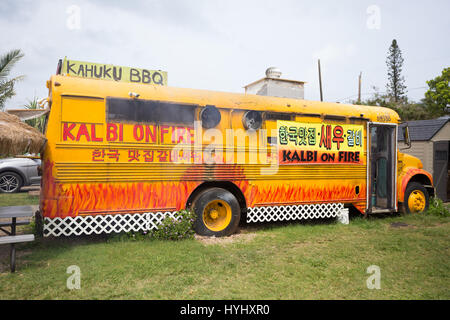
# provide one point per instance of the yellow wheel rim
(416, 201)
(217, 215)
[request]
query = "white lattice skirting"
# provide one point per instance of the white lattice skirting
(98, 224)
(104, 223)
(294, 212)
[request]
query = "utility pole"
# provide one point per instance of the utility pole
(359, 88)
(320, 82)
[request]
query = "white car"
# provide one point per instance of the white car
(18, 172)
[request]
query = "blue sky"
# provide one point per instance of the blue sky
(224, 45)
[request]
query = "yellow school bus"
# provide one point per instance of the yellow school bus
(123, 156)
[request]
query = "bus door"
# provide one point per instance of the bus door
(382, 168)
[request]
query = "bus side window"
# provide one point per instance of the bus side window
(149, 111)
(272, 141)
(277, 116)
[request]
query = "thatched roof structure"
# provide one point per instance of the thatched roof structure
(28, 114)
(17, 138)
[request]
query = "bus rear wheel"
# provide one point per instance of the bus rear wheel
(416, 198)
(218, 212)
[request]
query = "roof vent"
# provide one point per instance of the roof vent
(273, 72)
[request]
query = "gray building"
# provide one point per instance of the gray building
(430, 142)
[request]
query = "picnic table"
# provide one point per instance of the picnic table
(11, 238)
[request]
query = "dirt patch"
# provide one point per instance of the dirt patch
(5, 258)
(400, 225)
(244, 236)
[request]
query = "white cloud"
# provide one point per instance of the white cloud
(333, 52)
(223, 45)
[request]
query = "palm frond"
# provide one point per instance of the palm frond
(6, 91)
(7, 62)
(37, 123)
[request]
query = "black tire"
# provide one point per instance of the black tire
(220, 197)
(10, 182)
(414, 188)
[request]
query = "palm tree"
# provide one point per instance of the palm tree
(7, 62)
(37, 123)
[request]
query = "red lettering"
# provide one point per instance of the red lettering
(148, 155)
(150, 134)
(111, 132)
(190, 135)
(66, 131)
(120, 132)
(138, 132)
(162, 156)
(337, 133)
(94, 138)
(325, 137)
(133, 155)
(180, 134)
(98, 155)
(114, 154)
(83, 131)
(164, 130)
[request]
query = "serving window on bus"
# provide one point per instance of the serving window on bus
(123, 156)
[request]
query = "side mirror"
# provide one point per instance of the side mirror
(406, 136)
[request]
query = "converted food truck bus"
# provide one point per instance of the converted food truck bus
(122, 156)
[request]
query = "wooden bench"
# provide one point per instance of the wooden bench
(17, 239)
(9, 224)
(13, 213)
(18, 223)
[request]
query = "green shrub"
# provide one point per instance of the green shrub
(178, 228)
(181, 227)
(437, 208)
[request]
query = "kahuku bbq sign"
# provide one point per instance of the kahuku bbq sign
(311, 143)
(112, 72)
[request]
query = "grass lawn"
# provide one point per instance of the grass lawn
(320, 260)
(18, 199)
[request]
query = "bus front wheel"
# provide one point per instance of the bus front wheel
(217, 211)
(416, 198)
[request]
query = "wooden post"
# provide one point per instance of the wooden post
(320, 82)
(359, 88)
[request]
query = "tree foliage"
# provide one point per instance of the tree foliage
(407, 110)
(396, 87)
(7, 62)
(437, 98)
(435, 103)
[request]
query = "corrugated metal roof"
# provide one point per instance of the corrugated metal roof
(423, 130)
